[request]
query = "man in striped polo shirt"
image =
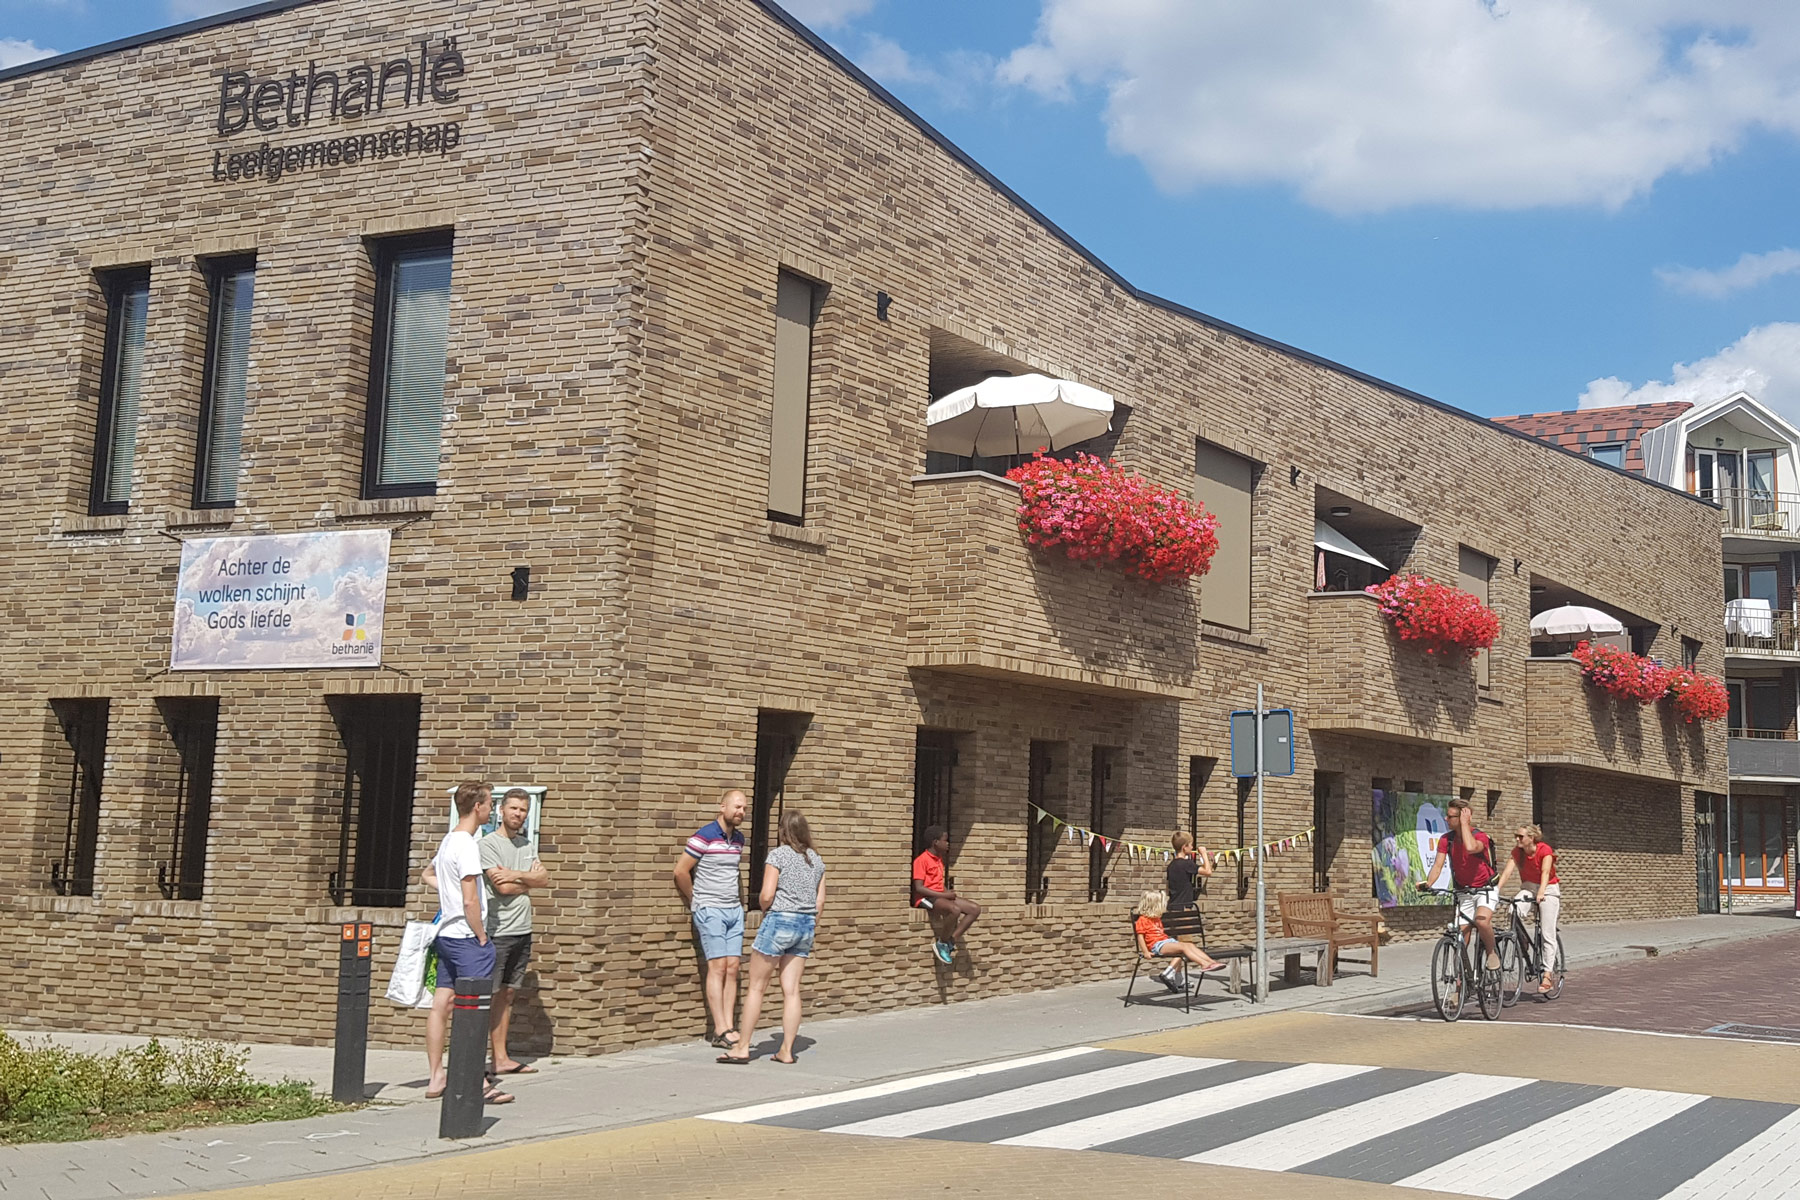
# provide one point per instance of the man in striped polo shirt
(706, 875)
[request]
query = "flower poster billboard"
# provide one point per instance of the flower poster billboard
(280, 600)
(1404, 837)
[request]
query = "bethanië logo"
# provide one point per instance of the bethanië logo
(353, 628)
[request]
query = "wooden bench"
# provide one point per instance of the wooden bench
(1186, 926)
(1315, 915)
(1291, 950)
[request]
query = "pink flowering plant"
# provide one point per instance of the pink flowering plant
(1622, 674)
(1698, 697)
(1443, 619)
(1092, 509)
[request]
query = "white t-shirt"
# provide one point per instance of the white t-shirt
(458, 857)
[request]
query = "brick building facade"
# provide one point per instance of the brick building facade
(626, 187)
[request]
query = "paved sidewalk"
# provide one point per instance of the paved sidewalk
(574, 1095)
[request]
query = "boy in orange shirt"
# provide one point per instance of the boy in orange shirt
(1158, 943)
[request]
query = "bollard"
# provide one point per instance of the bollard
(350, 1061)
(461, 1114)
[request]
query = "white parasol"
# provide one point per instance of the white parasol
(1016, 414)
(1573, 620)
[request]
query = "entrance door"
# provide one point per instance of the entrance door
(1707, 815)
(1754, 859)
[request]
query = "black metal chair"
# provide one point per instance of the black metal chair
(1188, 925)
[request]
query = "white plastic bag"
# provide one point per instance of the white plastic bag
(407, 987)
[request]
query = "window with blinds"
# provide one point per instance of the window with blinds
(232, 283)
(796, 308)
(1477, 571)
(121, 383)
(1226, 483)
(406, 385)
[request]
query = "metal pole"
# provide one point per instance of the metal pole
(351, 1048)
(1727, 862)
(461, 1114)
(1262, 957)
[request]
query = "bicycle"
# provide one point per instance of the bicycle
(1525, 961)
(1453, 971)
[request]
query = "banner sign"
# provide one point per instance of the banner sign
(280, 600)
(1404, 837)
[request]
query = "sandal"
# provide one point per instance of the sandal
(724, 1039)
(496, 1096)
(786, 1062)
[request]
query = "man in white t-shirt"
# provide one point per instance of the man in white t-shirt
(464, 949)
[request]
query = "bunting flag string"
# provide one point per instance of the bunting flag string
(1137, 850)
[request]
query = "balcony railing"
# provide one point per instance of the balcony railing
(1753, 510)
(1763, 754)
(1759, 631)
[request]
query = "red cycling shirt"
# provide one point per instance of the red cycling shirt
(1531, 866)
(1468, 870)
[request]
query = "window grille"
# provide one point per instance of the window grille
(83, 725)
(381, 748)
(777, 744)
(194, 728)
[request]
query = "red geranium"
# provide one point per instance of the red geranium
(1623, 674)
(1446, 619)
(1698, 697)
(1090, 508)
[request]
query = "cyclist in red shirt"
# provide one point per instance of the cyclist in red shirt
(1535, 860)
(1471, 857)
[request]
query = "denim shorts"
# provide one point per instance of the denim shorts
(1162, 945)
(463, 958)
(721, 932)
(786, 933)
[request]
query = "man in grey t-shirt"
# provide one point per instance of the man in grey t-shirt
(509, 860)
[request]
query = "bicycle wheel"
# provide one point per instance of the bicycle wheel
(1512, 971)
(1488, 983)
(1556, 971)
(1447, 979)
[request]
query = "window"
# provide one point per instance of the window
(1223, 482)
(193, 727)
(408, 360)
(796, 307)
(381, 749)
(1758, 581)
(121, 383)
(1612, 454)
(231, 284)
(934, 778)
(1100, 820)
(1690, 652)
(80, 760)
(1328, 812)
(777, 742)
(1047, 790)
(1477, 573)
(1493, 803)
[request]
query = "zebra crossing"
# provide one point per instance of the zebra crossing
(1464, 1132)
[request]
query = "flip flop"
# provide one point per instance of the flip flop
(786, 1062)
(733, 1060)
(520, 1069)
(431, 1095)
(496, 1096)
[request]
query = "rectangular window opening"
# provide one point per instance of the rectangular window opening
(380, 737)
(1328, 816)
(796, 309)
(1101, 818)
(1199, 774)
(1612, 454)
(1477, 571)
(231, 286)
(1226, 483)
(934, 788)
(193, 729)
(127, 293)
(82, 762)
(408, 365)
(777, 744)
(1048, 791)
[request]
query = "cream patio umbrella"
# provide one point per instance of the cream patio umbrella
(1016, 414)
(1573, 621)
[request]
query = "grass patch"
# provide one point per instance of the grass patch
(50, 1093)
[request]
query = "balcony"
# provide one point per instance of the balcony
(1764, 755)
(1757, 515)
(1759, 633)
(1364, 680)
(985, 604)
(1569, 723)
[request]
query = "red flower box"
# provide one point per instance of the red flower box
(1447, 620)
(1090, 509)
(1622, 674)
(1698, 697)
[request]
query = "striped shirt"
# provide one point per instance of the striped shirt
(716, 856)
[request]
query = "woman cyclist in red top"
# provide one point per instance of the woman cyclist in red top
(1535, 861)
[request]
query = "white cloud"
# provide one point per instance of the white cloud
(187, 10)
(1764, 362)
(953, 81)
(1746, 272)
(1367, 105)
(13, 52)
(827, 14)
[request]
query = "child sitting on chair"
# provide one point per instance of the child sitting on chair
(1158, 943)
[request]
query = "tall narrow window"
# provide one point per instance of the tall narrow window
(232, 284)
(1223, 482)
(796, 301)
(121, 383)
(1101, 819)
(777, 744)
(193, 726)
(1477, 572)
(408, 363)
(934, 777)
(81, 763)
(381, 749)
(1046, 791)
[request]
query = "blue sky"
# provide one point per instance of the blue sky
(1511, 205)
